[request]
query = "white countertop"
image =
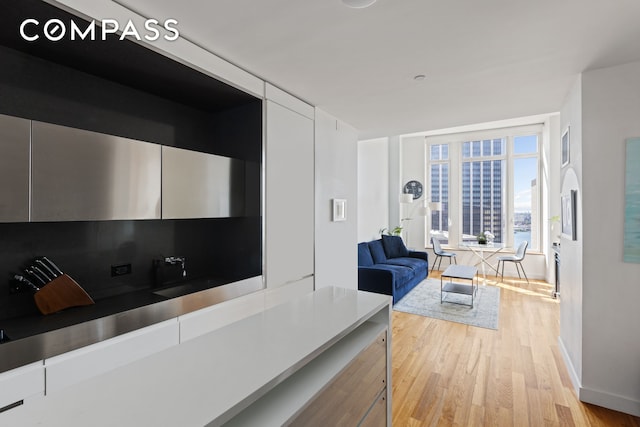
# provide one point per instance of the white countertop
(213, 376)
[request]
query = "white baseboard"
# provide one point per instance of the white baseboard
(611, 401)
(597, 397)
(575, 379)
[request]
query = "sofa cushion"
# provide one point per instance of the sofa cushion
(364, 255)
(377, 251)
(401, 275)
(418, 265)
(394, 246)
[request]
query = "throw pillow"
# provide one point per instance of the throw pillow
(364, 255)
(377, 251)
(394, 246)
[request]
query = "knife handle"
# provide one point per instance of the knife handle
(46, 269)
(51, 265)
(42, 273)
(23, 280)
(35, 275)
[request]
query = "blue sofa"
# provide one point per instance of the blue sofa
(386, 266)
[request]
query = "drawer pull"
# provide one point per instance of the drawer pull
(12, 405)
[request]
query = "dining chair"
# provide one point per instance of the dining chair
(437, 249)
(516, 259)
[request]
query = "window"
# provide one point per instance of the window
(487, 181)
(439, 177)
(525, 190)
(482, 185)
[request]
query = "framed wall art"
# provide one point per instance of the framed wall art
(569, 204)
(632, 202)
(565, 147)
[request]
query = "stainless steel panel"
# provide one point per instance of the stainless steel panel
(200, 185)
(14, 169)
(80, 176)
(20, 352)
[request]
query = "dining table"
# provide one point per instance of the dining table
(484, 251)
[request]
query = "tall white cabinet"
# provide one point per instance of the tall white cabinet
(336, 159)
(289, 191)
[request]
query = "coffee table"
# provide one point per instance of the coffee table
(459, 272)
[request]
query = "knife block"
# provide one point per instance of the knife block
(60, 293)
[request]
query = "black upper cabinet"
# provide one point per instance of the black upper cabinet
(122, 61)
(122, 88)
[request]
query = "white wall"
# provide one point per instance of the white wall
(611, 288)
(373, 188)
(395, 178)
(571, 252)
(551, 158)
(599, 292)
(413, 167)
(336, 159)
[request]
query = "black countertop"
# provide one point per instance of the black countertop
(34, 338)
(24, 327)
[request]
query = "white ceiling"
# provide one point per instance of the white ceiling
(484, 60)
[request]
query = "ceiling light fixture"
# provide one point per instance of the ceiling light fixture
(358, 4)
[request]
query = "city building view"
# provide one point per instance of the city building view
(488, 170)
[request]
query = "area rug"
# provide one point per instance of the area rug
(424, 300)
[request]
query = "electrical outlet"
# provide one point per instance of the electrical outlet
(120, 270)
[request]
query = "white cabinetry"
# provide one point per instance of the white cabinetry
(265, 369)
(289, 193)
(339, 387)
(353, 392)
(21, 384)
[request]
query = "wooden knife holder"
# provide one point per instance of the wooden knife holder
(60, 293)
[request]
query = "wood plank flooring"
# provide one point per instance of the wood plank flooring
(449, 374)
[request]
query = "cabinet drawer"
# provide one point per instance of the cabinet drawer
(21, 383)
(377, 416)
(87, 362)
(351, 394)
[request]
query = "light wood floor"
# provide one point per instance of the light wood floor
(446, 373)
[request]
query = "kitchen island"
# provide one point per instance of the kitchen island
(278, 365)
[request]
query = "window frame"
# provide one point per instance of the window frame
(455, 161)
(440, 162)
